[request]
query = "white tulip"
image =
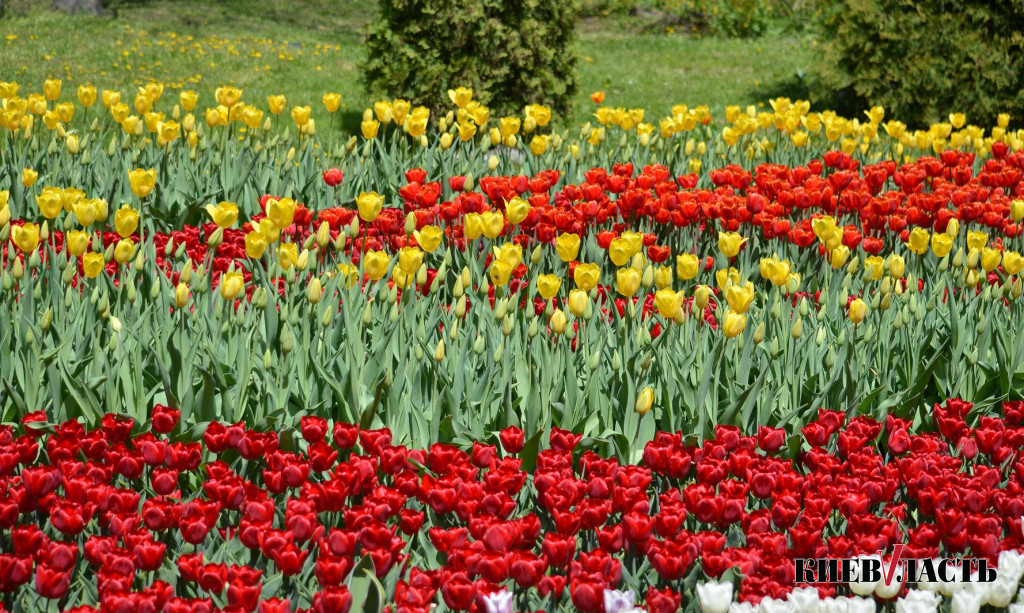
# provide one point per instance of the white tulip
(832, 605)
(1001, 592)
(742, 607)
(860, 605)
(965, 601)
(1011, 565)
(618, 602)
(805, 599)
(771, 605)
(861, 587)
(498, 602)
(714, 596)
(918, 601)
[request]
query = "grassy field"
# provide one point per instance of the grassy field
(306, 48)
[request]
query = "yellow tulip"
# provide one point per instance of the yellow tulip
(1012, 262)
(990, 259)
(473, 226)
(918, 241)
(188, 99)
(369, 205)
(51, 89)
(645, 401)
(228, 96)
(126, 220)
(858, 310)
(733, 324)
(517, 210)
(143, 181)
(429, 238)
(85, 212)
(663, 277)
(510, 253)
(493, 222)
(276, 104)
(726, 277)
(824, 227)
(568, 246)
(93, 264)
(50, 202)
(500, 272)
(87, 95)
(111, 98)
(942, 244)
(586, 276)
(400, 111)
(627, 281)
(508, 126)
(410, 259)
(729, 243)
(77, 242)
(776, 271)
(896, 266)
(382, 109)
(287, 255)
(668, 303)
(300, 115)
(370, 128)
(557, 321)
(28, 177)
(548, 286)
(71, 143)
(376, 264)
(539, 144)
(578, 301)
(255, 244)
(877, 266)
(123, 251)
(467, 131)
(332, 102)
(224, 214)
(841, 254)
(461, 96)
(687, 266)
(231, 283)
(1017, 209)
(976, 239)
(739, 297)
(281, 212)
(701, 296)
(620, 250)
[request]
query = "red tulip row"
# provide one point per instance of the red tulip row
(875, 204)
(110, 508)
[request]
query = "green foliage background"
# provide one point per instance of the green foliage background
(512, 52)
(924, 59)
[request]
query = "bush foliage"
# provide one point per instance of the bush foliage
(512, 52)
(923, 59)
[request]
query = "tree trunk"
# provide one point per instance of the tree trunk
(80, 6)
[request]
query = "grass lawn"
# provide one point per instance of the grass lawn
(306, 48)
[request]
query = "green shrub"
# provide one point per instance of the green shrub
(511, 52)
(923, 59)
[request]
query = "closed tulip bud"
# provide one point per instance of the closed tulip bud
(798, 328)
(645, 401)
(314, 291)
(733, 324)
(578, 301)
(759, 333)
(701, 296)
(506, 325)
(616, 361)
(478, 345)
(648, 277)
(439, 351)
(181, 294)
(558, 322)
(973, 257)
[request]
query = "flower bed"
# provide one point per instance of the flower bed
(123, 517)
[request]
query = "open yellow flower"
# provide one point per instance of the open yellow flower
(493, 223)
(627, 281)
(729, 243)
(687, 266)
(51, 202)
(918, 241)
(369, 205)
(858, 310)
(224, 214)
(126, 220)
(990, 259)
(548, 286)
(473, 226)
(942, 244)
(578, 301)
(143, 181)
(231, 284)
(287, 255)
(77, 242)
(620, 250)
(739, 297)
(668, 303)
(227, 96)
(92, 264)
(332, 102)
(281, 212)
(568, 246)
(733, 324)
(461, 96)
(376, 264)
(410, 259)
(500, 272)
(429, 238)
(517, 210)
(300, 115)
(255, 244)
(276, 104)
(586, 276)
(123, 250)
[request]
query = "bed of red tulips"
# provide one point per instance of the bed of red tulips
(126, 517)
(876, 203)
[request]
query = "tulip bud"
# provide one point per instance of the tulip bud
(498, 353)
(557, 322)
(314, 291)
(536, 255)
(410, 223)
(759, 333)
(506, 326)
(478, 345)
(453, 331)
(353, 228)
(819, 338)
(534, 328)
(439, 351)
(17, 270)
(644, 401)
(616, 361)
(701, 295)
(368, 314)
(798, 329)
(805, 308)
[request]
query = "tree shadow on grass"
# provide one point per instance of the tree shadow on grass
(794, 88)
